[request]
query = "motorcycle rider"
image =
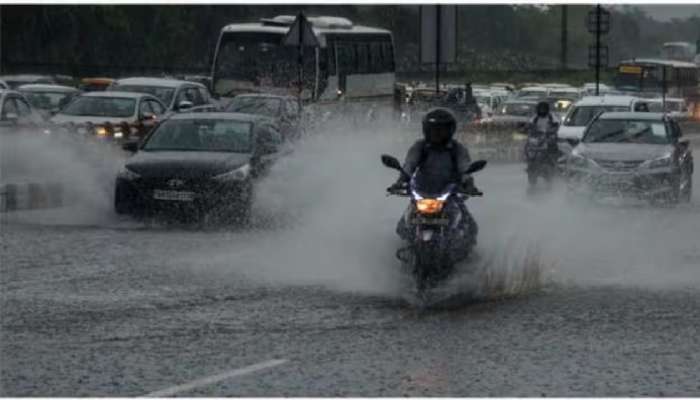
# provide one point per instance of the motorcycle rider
(438, 160)
(544, 123)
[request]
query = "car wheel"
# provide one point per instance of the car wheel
(122, 204)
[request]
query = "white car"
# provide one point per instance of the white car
(583, 111)
(676, 108)
(532, 91)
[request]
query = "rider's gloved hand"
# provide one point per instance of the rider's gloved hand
(467, 186)
(397, 186)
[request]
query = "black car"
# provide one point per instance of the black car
(198, 164)
(632, 154)
(283, 109)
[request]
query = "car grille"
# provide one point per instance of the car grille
(619, 166)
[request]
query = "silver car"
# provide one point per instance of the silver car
(635, 154)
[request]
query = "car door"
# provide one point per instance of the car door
(268, 142)
(28, 116)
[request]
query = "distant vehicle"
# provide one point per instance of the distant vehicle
(680, 51)
(515, 112)
(111, 115)
(676, 108)
(632, 154)
(283, 109)
(177, 95)
(48, 99)
(17, 114)
(532, 91)
(645, 74)
(95, 84)
(352, 61)
(15, 81)
(567, 92)
(582, 112)
(588, 89)
(195, 164)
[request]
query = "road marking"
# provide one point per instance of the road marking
(169, 392)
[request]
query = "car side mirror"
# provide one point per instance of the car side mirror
(148, 116)
(184, 105)
(131, 146)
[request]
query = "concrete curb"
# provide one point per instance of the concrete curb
(29, 196)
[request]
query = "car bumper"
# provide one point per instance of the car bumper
(640, 185)
(146, 196)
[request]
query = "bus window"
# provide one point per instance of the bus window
(376, 57)
(362, 58)
(328, 54)
(347, 60)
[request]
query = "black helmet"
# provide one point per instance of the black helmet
(542, 108)
(439, 125)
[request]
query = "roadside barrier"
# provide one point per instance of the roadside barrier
(28, 196)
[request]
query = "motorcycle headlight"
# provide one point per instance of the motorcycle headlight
(128, 174)
(662, 162)
(237, 174)
(429, 206)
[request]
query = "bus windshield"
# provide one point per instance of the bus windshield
(261, 59)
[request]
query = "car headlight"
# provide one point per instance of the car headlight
(128, 174)
(662, 162)
(237, 174)
(101, 131)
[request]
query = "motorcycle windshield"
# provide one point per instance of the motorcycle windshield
(431, 188)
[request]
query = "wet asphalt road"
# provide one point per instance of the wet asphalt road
(117, 308)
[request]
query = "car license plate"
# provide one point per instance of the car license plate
(173, 195)
(431, 221)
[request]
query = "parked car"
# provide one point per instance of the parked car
(177, 95)
(583, 111)
(95, 84)
(283, 109)
(632, 154)
(111, 115)
(15, 81)
(194, 164)
(17, 114)
(48, 99)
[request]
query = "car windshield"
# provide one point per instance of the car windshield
(582, 115)
(627, 131)
(48, 100)
(118, 107)
(518, 109)
(165, 94)
(202, 135)
(268, 106)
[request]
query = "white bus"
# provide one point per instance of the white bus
(353, 62)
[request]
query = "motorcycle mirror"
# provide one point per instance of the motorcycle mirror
(391, 162)
(476, 166)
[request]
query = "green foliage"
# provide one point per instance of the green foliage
(182, 37)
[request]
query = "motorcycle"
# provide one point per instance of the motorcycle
(438, 238)
(541, 155)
